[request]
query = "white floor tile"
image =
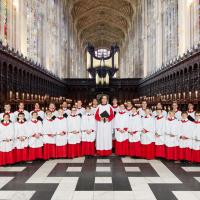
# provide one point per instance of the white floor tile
(12, 169)
(185, 195)
(103, 169)
(132, 169)
(103, 160)
(83, 195)
(74, 169)
(103, 195)
(191, 169)
(103, 179)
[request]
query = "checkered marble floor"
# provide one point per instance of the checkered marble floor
(93, 178)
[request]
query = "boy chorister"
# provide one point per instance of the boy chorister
(196, 139)
(21, 138)
(191, 112)
(49, 136)
(185, 138)
(159, 106)
(80, 110)
(7, 109)
(171, 136)
(21, 110)
(115, 106)
(88, 130)
(94, 106)
(134, 132)
(6, 141)
(54, 112)
(35, 137)
(121, 131)
(129, 107)
(141, 111)
(176, 111)
(160, 134)
(148, 136)
(74, 134)
(61, 135)
(39, 111)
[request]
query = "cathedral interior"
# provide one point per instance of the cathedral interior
(44, 45)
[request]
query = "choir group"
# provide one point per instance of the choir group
(96, 129)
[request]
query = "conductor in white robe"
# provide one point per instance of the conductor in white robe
(104, 116)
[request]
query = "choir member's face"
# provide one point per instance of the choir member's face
(94, 102)
(7, 107)
(34, 116)
(51, 106)
(79, 104)
(73, 111)
(87, 110)
(159, 112)
(76, 105)
(144, 104)
(171, 115)
(104, 100)
(21, 117)
(134, 110)
(49, 115)
(197, 117)
(174, 106)
(60, 112)
(64, 105)
(159, 106)
(147, 112)
(122, 107)
(114, 101)
(190, 106)
(6, 118)
(184, 116)
(37, 106)
(21, 106)
(129, 104)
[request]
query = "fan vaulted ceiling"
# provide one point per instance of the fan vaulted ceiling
(102, 22)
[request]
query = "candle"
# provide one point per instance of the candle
(190, 95)
(196, 94)
(183, 95)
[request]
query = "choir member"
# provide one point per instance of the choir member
(88, 130)
(21, 138)
(176, 110)
(49, 136)
(65, 108)
(171, 136)
(80, 110)
(129, 107)
(6, 141)
(160, 134)
(185, 137)
(74, 134)
(141, 110)
(104, 116)
(191, 112)
(159, 106)
(196, 139)
(121, 131)
(115, 105)
(35, 137)
(61, 134)
(54, 112)
(21, 110)
(7, 109)
(94, 106)
(134, 130)
(148, 135)
(39, 111)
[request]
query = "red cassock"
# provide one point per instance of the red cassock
(6, 143)
(104, 130)
(121, 133)
(74, 136)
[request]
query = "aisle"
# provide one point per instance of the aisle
(110, 178)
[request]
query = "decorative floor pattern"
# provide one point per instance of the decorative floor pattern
(93, 178)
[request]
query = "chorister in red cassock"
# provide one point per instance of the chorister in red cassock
(35, 137)
(88, 130)
(49, 136)
(160, 123)
(21, 138)
(61, 135)
(39, 111)
(21, 110)
(171, 136)
(74, 134)
(176, 110)
(7, 109)
(134, 130)
(6, 141)
(196, 139)
(121, 131)
(148, 136)
(104, 116)
(185, 138)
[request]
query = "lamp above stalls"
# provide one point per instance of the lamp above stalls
(102, 64)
